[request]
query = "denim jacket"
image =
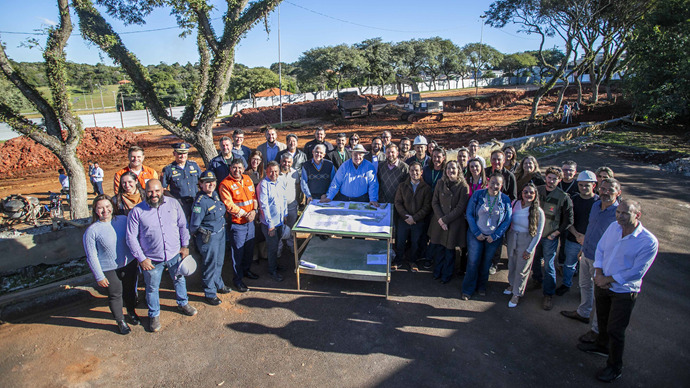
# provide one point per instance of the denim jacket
(505, 212)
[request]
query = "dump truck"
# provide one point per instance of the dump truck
(417, 110)
(351, 104)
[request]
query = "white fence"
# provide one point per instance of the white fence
(140, 118)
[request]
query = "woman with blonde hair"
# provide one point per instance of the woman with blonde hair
(527, 224)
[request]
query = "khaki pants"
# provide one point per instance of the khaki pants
(518, 268)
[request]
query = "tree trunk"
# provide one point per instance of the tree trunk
(578, 81)
(535, 104)
(609, 92)
(79, 207)
(561, 93)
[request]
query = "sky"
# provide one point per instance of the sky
(304, 24)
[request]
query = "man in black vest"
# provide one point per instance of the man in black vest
(319, 138)
(317, 174)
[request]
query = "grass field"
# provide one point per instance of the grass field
(85, 103)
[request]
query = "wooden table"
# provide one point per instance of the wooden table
(345, 258)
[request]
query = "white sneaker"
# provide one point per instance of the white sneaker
(492, 270)
(513, 301)
(508, 291)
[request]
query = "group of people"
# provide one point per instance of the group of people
(551, 219)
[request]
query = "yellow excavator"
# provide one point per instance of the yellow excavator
(418, 110)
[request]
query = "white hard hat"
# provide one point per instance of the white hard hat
(586, 176)
(420, 140)
(187, 266)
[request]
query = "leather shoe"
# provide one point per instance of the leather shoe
(277, 277)
(224, 290)
(608, 374)
(134, 318)
(593, 349)
(187, 310)
(215, 301)
(589, 337)
(574, 315)
(251, 275)
(124, 327)
(241, 287)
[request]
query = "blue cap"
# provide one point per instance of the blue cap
(207, 176)
(181, 147)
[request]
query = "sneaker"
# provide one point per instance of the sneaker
(574, 315)
(593, 349)
(492, 270)
(547, 303)
(589, 337)
(513, 301)
(427, 264)
(560, 291)
(187, 310)
(465, 297)
(155, 324)
(508, 291)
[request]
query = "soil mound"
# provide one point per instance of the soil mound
(497, 100)
(22, 153)
(300, 110)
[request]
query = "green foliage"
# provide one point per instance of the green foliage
(658, 79)
(12, 97)
(248, 81)
(512, 64)
(327, 67)
(481, 56)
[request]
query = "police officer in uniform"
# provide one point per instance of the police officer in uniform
(207, 225)
(181, 177)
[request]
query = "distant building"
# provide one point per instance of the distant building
(271, 92)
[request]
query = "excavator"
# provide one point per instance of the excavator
(418, 110)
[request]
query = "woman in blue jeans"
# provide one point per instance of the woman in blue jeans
(488, 217)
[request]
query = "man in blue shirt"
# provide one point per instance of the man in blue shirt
(273, 210)
(623, 256)
(602, 214)
(355, 180)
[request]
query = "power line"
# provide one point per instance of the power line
(358, 24)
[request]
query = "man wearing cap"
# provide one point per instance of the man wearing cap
(582, 205)
(376, 155)
(355, 180)
(207, 225)
(319, 138)
(420, 155)
(340, 154)
(269, 150)
(317, 175)
(623, 257)
(181, 177)
(135, 154)
(237, 193)
(298, 157)
(273, 210)
(602, 214)
(158, 237)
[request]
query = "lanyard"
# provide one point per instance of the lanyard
(435, 176)
(489, 204)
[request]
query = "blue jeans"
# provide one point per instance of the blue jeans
(213, 256)
(272, 246)
(444, 259)
(571, 251)
(479, 256)
(549, 249)
(152, 278)
(242, 248)
(414, 232)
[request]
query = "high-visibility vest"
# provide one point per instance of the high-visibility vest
(238, 194)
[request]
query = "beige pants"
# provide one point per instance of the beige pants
(518, 268)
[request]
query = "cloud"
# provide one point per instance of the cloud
(48, 21)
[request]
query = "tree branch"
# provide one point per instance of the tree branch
(28, 128)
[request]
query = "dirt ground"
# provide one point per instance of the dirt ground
(455, 130)
(344, 333)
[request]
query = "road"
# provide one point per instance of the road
(345, 334)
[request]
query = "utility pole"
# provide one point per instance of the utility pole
(479, 63)
(102, 103)
(280, 72)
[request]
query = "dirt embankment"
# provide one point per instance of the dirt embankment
(22, 153)
(300, 110)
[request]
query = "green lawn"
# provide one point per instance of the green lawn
(84, 103)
